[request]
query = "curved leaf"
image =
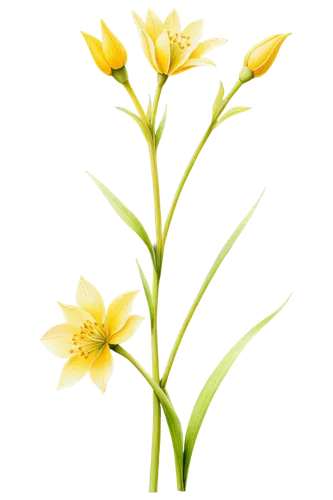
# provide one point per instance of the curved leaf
(141, 123)
(160, 129)
(126, 215)
(146, 288)
(211, 386)
(218, 101)
(231, 112)
(218, 261)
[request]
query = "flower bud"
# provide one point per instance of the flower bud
(109, 55)
(261, 57)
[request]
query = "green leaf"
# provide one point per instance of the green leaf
(211, 386)
(146, 288)
(149, 106)
(126, 215)
(141, 123)
(218, 261)
(231, 112)
(218, 100)
(161, 126)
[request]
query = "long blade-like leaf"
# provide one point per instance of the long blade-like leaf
(146, 288)
(219, 259)
(218, 100)
(126, 215)
(211, 386)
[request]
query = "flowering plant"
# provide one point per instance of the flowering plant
(90, 333)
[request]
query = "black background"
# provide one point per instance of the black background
(252, 437)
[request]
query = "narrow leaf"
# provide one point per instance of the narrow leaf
(231, 112)
(218, 261)
(126, 215)
(149, 110)
(218, 100)
(146, 288)
(142, 125)
(211, 386)
(161, 126)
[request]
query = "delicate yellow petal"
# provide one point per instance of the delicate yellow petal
(193, 33)
(154, 25)
(162, 49)
(89, 299)
(75, 369)
(207, 46)
(193, 63)
(96, 51)
(102, 368)
(129, 329)
(139, 23)
(75, 315)
(119, 311)
(149, 49)
(172, 22)
(114, 51)
(58, 340)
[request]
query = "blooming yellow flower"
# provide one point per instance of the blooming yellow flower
(110, 54)
(170, 50)
(261, 57)
(86, 336)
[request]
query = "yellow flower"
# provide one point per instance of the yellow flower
(170, 50)
(260, 58)
(110, 54)
(86, 336)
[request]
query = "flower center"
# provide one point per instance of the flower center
(92, 336)
(179, 40)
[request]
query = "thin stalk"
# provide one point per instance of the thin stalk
(156, 433)
(170, 414)
(196, 153)
(135, 100)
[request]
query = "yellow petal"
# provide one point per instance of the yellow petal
(75, 369)
(114, 51)
(149, 49)
(206, 46)
(96, 51)
(193, 64)
(154, 25)
(129, 329)
(119, 311)
(172, 22)
(139, 23)
(162, 48)
(89, 299)
(58, 339)
(75, 315)
(101, 369)
(194, 31)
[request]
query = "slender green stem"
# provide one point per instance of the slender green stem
(196, 153)
(155, 353)
(170, 414)
(135, 100)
